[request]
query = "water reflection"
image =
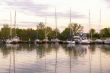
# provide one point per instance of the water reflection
(54, 58)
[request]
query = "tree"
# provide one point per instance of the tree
(40, 26)
(93, 34)
(5, 31)
(65, 34)
(105, 32)
(76, 28)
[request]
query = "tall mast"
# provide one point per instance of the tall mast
(15, 22)
(56, 21)
(70, 26)
(100, 22)
(45, 27)
(70, 15)
(10, 25)
(90, 24)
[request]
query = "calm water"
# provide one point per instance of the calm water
(54, 58)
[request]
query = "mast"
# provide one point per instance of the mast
(100, 48)
(37, 31)
(15, 23)
(70, 15)
(90, 24)
(70, 27)
(45, 28)
(100, 22)
(10, 25)
(56, 21)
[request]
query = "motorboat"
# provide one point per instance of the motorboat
(107, 41)
(99, 41)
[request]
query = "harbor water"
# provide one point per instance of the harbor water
(54, 58)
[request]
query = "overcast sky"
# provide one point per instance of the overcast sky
(31, 12)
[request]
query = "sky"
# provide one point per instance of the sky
(30, 12)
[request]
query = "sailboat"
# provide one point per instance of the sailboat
(15, 39)
(99, 41)
(70, 41)
(37, 40)
(46, 38)
(55, 40)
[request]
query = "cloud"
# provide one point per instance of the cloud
(25, 5)
(108, 3)
(61, 14)
(37, 9)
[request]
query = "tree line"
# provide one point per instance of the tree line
(41, 31)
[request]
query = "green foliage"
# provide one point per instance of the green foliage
(64, 35)
(93, 34)
(76, 28)
(5, 32)
(105, 33)
(42, 31)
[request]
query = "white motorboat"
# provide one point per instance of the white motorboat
(81, 39)
(71, 42)
(85, 41)
(99, 41)
(107, 41)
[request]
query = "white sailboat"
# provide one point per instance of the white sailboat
(55, 40)
(37, 40)
(71, 40)
(46, 38)
(15, 39)
(99, 41)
